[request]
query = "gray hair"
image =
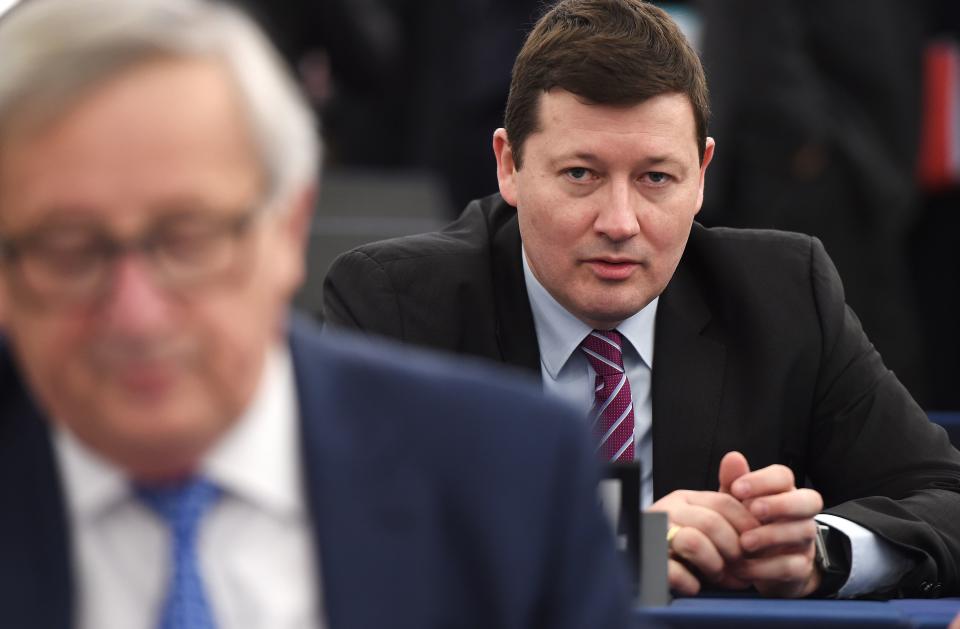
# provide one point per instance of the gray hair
(54, 51)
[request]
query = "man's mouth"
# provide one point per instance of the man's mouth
(612, 268)
(144, 372)
(146, 380)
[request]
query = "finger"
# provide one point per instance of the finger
(729, 581)
(698, 551)
(773, 479)
(681, 579)
(790, 533)
(774, 551)
(733, 465)
(783, 575)
(718, 531)
(791, 505)
(725, 505)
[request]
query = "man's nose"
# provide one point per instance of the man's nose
(135, 302)
(618, 218)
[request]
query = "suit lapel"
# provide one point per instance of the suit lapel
(687, 386)
(516, 334)
(35, 571)
(365, 507)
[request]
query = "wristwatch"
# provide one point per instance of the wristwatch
(832, 559)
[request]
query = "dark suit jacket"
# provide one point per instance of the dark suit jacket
(439, 499)
(755, 351)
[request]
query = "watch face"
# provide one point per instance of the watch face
(832, 550)
(822, 557)
(832, 558)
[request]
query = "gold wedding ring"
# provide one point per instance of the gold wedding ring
(671, 533)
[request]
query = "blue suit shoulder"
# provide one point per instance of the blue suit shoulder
(497, 482)
(442, 395)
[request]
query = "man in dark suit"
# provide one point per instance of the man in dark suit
(177, 451)
(588, 266)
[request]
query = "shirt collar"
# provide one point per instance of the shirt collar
(559, 332)
(258, 460)
(91, 484)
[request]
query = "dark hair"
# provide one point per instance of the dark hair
(613, 52)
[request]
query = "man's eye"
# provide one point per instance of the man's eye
(67, 257)
(188, 242)
(578, 173)
(657, 177)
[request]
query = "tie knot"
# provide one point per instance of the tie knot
(604, 351)
(181, 504)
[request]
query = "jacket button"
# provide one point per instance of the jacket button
(930, 589)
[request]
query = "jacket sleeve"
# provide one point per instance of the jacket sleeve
(874, 455)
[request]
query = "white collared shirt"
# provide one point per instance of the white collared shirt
(255, 545)
(566, 373)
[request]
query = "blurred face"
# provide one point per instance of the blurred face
(152, 369)
(605, 199)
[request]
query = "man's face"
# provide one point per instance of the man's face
(148, 374)
(605, 199)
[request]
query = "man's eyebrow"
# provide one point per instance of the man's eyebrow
(658, 160)
(646, 162)
(60, 215)
(583, 156)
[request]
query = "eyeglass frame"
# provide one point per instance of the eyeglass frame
(112, 249)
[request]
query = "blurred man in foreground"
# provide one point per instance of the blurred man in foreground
(175, 449)
(702, 353)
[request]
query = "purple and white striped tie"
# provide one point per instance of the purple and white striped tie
(613, 405)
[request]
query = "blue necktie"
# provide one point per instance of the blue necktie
(181, 506)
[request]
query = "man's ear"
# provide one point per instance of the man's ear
(707, 157)
(506, 166)
(302, 214)
(296, 231)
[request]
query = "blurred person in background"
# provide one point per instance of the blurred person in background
(406, 85)
(177, 449)
(935, 254)
(817, 107)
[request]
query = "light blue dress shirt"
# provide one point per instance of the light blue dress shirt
(566, 373)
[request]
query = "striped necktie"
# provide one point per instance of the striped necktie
(181, 507)
(613, 404)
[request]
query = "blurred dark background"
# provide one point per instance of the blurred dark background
(838, 119)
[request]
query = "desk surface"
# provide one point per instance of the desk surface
(748, 613)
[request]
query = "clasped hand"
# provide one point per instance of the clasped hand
(757, 529)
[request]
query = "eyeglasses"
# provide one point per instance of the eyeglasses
(74, 263)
